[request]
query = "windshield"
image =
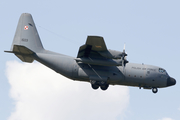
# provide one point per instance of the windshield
(161, 70)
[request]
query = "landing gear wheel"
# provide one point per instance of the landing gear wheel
(95, 86)
(104, 87)
(154, 90)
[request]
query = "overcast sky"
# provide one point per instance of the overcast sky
(150, 29)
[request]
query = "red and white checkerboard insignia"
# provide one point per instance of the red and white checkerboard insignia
(26, 27)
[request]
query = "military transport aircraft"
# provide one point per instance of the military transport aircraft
(94, 63)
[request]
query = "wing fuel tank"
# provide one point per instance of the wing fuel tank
(103, 62)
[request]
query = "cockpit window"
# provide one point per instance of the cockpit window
(162, 70)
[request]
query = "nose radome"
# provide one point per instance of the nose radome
(171, 81)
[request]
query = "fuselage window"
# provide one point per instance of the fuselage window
(161, 70)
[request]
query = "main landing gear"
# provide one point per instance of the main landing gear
(96, 84)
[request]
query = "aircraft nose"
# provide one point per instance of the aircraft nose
(171, 81)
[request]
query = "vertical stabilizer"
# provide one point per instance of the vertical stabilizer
(26, 34)
(26, 40)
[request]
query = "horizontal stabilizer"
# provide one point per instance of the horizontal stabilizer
(17, 49)
(23, 53)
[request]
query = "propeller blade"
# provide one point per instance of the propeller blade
(124, 60)
(124, 48)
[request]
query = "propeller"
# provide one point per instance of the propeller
(124, 60)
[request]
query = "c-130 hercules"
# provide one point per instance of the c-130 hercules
(94, 63)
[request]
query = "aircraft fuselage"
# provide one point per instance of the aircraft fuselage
(139, 75)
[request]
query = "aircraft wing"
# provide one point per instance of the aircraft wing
(94, 45)
(95, 52)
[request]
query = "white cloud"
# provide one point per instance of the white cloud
(41, 94)
(166, 118)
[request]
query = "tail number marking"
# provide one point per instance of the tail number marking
(24, 40)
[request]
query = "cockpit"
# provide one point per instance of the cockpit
(161, 70)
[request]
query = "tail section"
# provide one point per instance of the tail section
(26, 40)
(26, 34)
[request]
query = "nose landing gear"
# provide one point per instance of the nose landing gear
(154, 90)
